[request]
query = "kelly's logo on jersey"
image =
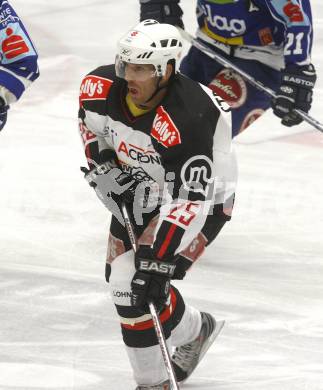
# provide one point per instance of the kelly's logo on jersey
(164, 130)
(94, 87)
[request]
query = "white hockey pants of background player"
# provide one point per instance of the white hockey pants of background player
(181, 324)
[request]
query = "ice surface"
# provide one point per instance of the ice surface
(263, 275)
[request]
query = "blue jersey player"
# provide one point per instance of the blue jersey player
(18, 59)
(270, 39)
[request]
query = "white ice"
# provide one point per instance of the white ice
(263, 275)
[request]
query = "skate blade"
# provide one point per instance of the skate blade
(218, 327)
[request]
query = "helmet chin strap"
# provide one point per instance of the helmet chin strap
(158, 88)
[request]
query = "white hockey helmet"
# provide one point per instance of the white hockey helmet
(152, 43)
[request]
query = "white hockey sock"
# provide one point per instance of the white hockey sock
(188, 328)
(148, 365)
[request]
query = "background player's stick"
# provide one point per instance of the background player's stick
(152, 308)
(227, 64)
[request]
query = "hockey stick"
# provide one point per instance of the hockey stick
(227, 64)
(152, 308)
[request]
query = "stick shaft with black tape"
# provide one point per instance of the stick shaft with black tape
(157, 324)
(228, 64)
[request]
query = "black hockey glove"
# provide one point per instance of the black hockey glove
(295, 91)
(164, 11)
(151, 280)
(3, 113)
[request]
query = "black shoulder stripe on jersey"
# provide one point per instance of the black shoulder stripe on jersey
(96, 106)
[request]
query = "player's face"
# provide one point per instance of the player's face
(142, 82)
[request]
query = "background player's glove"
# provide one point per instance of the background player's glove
(295, 91)
(164, 11)
(151, 280)
(3, 113)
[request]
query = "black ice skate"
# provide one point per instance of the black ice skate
(188, 356)
(163, 386)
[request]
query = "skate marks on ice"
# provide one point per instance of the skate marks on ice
(16, 375)
(273, 338)
(272, 359)
(263, 354)
(59, 332)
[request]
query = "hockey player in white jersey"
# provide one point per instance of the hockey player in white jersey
(161, 143)
(18, 59)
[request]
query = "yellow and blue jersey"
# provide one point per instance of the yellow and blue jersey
(258, 23)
